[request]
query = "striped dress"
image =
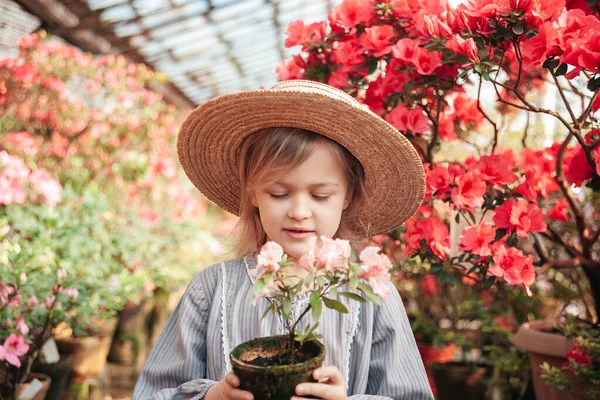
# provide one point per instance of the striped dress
(372, 346)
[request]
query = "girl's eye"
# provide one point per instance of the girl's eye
(278, 196)
(320, 198)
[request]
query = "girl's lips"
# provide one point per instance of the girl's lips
(298, 235)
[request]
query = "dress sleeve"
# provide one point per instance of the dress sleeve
(176, 366)
(396, 370)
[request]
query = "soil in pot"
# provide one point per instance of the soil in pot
(259, 366)
(460, 380)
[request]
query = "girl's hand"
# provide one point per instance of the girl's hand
(227, 389)
(331, 385)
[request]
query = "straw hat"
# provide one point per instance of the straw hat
(212, 135)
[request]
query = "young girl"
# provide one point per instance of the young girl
(299, 160)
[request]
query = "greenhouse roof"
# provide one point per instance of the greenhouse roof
(205, 47)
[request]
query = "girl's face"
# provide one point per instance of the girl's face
(306, 202)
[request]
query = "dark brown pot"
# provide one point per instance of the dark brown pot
(544, 346)
(58, 372)
(41, 394)
(429, 353)
(274, 382)
(460, 380)
(129, 344)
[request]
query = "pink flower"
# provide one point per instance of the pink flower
(13, 348)
(425, 61)
(477, 239)
(466, 47)
(373, 264)
(520, 216)
(579, 355)
(23, 141)
(332, 254)
(468, 192)
(22, 326)
(61, 274)
(288, 69)
(559, 210)
(377, 39)
(33, 301)
(511, 264)
(351, 13)
(46, 186)
(294, 33)
(406, 120)
(271, 254)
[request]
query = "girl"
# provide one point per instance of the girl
(298, 160)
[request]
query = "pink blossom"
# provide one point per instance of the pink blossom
(332, 254)
(23, 141)
(46, 186)
(22, 326)
(511, 264)
(33, 301)
(271, 254)
(13, 348)
(373, 264)
(61, 274)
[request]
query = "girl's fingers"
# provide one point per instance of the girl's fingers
(320, 390)
(331, 372)
(232, 380)
(237, 394)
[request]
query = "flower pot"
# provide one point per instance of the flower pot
(274, 382)
(542, 346)
(430, 353)
(41, 394)
(159, 315)
(58, 372)
(131, 335)
(89, 353)
(460, 380)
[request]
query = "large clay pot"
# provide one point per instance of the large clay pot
(460, 380)
(543, 345)
(41, 394)
(430, 353)
(274, 382)
(89, 353)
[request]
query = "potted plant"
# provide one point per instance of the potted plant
(271, 367)
(474, 78)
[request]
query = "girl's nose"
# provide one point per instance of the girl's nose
(299, 210)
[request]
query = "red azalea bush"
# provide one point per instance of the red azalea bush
(430, 70)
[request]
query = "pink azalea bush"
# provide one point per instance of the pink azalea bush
(328, 270)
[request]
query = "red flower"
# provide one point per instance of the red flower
(429, 285)
(579, 355)
(351, 13)
(347, 54)
(476, 239)
(439, 180)
(493, 169)
(520, 216)
(339, 79)
(579, 169)
(377, 39)
(468, 192)
(466, 47)
(559, 211)
(426, 61)
(538, 48)
(433, 230)
(294, 33)
(406, 120)
(288, 69)
(511, 264)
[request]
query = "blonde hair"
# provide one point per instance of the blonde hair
(270, 153)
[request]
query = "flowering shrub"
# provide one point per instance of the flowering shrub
(328, 269)
(431, 70)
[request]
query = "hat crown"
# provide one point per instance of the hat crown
(315, 88)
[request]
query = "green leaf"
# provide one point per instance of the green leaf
(316, 305)
(352, 296)
(551, 63)
(594, 84)
(267, 310)
(335, 305)
(368, 292)
(259, 285)
(435, 268)
(287, 307)
(353, 282)
(489, 282)
(518, 29)
(500, 234)
(457, 218)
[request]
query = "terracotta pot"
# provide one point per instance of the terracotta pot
(430, 353)
(459, 380)
(543, 345)
(274, 382)
(89, 353)
(41, 394)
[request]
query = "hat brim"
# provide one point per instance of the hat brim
(212, 135)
